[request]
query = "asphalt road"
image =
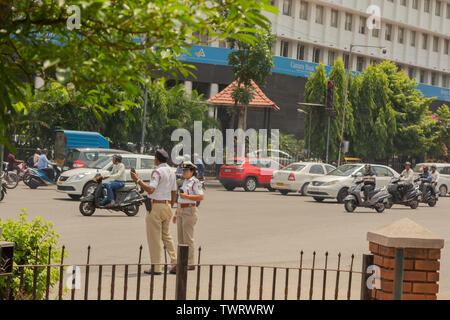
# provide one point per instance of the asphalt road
(259, 228)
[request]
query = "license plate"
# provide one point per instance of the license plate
(227, 170)
(280, 184)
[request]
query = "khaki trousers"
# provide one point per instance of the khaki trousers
(186, 220)
(157, 224)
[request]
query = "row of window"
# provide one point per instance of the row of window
(423, 76)
(362, 29)
(304, 7)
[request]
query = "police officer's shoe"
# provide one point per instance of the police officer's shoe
(150, 272)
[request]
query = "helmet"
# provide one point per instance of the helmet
(44, 151)
(188, 165)
(407, 163)
(117, 157)
(433, 166)
(368, 166)
(38, 151)
(425, 166)
(186, 158)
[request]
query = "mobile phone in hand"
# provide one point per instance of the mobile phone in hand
(133, 170)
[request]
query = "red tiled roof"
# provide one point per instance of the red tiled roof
(260, 100)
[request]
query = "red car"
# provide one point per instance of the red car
(248, 173)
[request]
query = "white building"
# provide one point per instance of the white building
(416, 34)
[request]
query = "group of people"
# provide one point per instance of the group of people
(162, 190)
(427, 178)
(38, 160)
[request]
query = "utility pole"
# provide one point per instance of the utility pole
(144, 116)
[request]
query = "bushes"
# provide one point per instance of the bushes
(29, 238)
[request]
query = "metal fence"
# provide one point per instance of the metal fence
(326, 277)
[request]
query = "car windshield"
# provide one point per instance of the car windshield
(235, 162)
(294, 167)
(100, 163)
(344, 170)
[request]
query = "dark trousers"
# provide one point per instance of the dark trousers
(49, 173)
(368, 188)
(14, 168)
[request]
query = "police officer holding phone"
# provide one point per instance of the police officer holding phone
(186, 216)
(162, 191)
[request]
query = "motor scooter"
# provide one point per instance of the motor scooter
(36, 178)
(412, 195)
(378, 197)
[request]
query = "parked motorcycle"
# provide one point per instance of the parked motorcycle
(36, 178)
(412, 195)
(10, 178)
(2, 189)
(378, 197)
(127, 199)
(429, 196)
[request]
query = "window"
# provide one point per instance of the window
(403, 3)
(382, 172)
(446, 45)
(415, 4)
(422, 76)
(362, 25)
(433, 78)
(300, 52)
(426, 6)
(401, 33)
(316, 55)
(435, 44)
(388, 34)
(284, 50)
(444, 81)
(360, 64)
(348, 21)
(304, 10)
(147, 163)
(411, 73)
(329, 168)
(319, 14)
(331, 58)
(424, 41)
(346, 58)
(287, 7)
(413, 38)
(129, 163)
(448, 10)
(334, 18)
(375, 33)
(91, 156)
(316, 169)
(437, 11)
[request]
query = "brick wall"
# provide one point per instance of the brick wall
(421, 272)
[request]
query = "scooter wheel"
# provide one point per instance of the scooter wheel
(350, 206)
(380, 207)
(414, 204)
(2, 195)
(132, 210)
(432, 202)
(87, 209)
(389, 204)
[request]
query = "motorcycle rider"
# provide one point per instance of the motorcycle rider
(406, 179)
(425, 178)
(46, 166)
(200, 166)
(36, 156)
(369, 181)
(13, 162)
(435, 178)
(118, 181)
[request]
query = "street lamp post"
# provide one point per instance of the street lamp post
(346, 92)
(309, 131)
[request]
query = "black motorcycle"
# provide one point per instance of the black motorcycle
(412, 194)
(2, 189)
(429, 195)
(127, 200)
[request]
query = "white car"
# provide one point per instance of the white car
(296, 176)
(444, 176)
(78, 182)
(336, 183)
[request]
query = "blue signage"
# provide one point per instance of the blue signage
(298, 68)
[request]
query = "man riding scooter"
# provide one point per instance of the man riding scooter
(118, 181)
(46, 166)
(369, 182)
(426, 179)
(435, 178)
(407, 180)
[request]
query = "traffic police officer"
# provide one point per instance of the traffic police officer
(162, 191)
(186, 215)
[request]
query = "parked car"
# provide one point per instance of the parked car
(248, 173)
(296, 176)
(337, 182)
(82, 157)
(444, 176)
(78, 182)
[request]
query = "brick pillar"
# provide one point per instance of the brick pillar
(422, 251)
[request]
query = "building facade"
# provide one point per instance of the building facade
(415, 34)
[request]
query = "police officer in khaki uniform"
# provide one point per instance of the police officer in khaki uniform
(162, 191)
(186, 215)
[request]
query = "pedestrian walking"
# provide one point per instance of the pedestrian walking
(162, 191)
(186, 215)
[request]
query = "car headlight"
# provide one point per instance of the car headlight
(331, 183)
(79, 177)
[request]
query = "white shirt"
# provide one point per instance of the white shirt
(118, 173)
(408, 176)
(435, 176)
(191, 187)
(164, 181)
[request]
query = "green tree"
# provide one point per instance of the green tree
(250, 62)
